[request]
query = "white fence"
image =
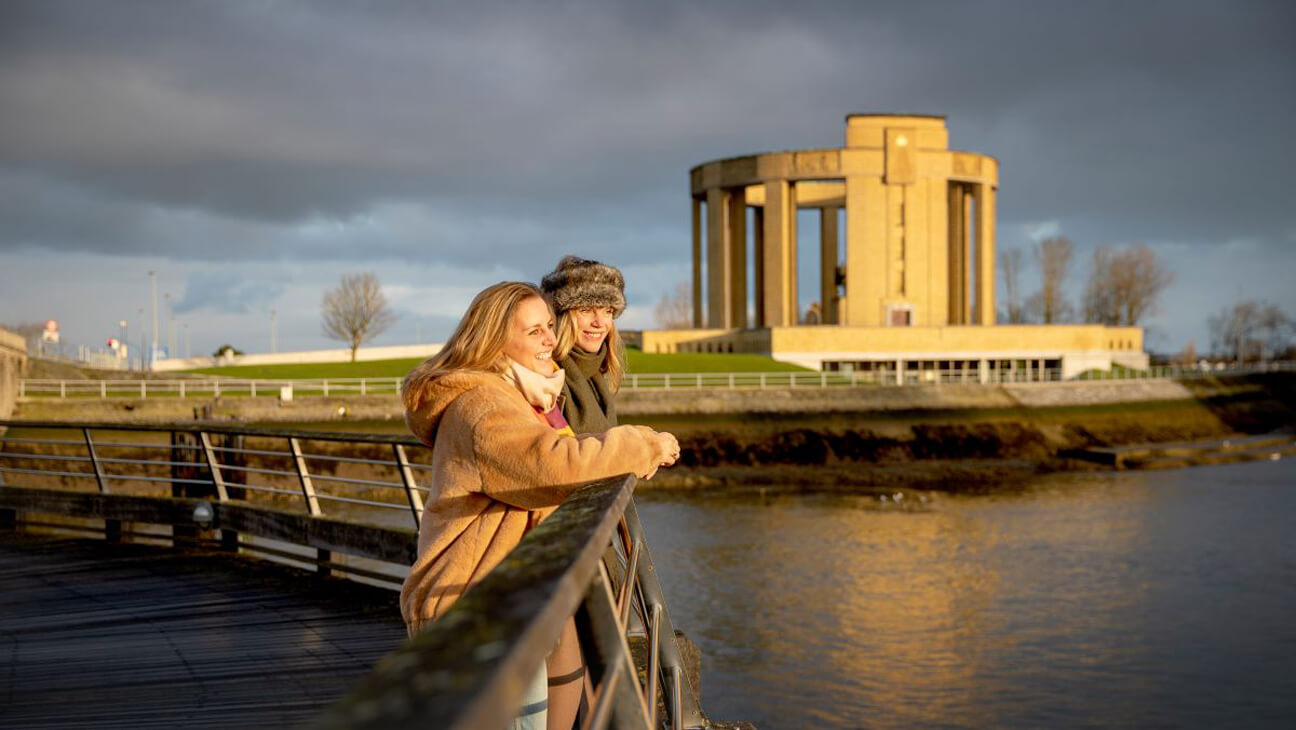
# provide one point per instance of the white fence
(231, 387)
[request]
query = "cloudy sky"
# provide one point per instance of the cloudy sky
(251, 152)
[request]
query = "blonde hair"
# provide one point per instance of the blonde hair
(478, 341)
(614, 358)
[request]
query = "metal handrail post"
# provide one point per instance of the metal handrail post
(407, 477)
(622, 692)
(303, 475)
(672, 661)
(218, 479)
(94, 462)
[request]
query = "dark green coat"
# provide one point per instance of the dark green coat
(588, 401)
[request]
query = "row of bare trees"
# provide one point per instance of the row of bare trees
(1122, 288)
(1252, 330)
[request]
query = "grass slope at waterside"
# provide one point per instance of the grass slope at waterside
(638, 362)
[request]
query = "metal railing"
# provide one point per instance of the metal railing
(992, 373)
(589, 559)
(497, 635)
(360, 476)
(205, 387)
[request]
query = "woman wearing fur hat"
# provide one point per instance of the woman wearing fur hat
(587, 296)
(503, 459)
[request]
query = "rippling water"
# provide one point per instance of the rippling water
(1136, 599)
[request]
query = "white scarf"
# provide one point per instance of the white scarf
(541, 391)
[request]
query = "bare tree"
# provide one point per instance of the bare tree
(356, 311)
(1250, 330)
(1053, 256)
(1010, 262)
(675, 310)
(1124, 286)
(1187, 356)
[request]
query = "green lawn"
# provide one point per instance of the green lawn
(639, 363)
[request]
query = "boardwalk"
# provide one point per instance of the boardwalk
(97, 635)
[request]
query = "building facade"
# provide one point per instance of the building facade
(906, 252)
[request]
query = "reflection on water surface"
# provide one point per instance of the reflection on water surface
(1133, 598)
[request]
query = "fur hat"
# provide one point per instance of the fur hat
(578, 282)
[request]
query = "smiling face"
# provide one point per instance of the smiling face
(592, 326)
(531, 336)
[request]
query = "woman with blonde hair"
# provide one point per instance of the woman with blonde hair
(503, 459)
(588, 296)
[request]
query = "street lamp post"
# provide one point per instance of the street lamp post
(171, 332)
(153, 339)
(143, 354)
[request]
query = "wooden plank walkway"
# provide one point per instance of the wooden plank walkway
(96, 636)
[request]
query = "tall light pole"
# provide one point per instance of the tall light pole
(171, 333)
(143, 354)
(186, 338)
(152, 356)
(274, 347)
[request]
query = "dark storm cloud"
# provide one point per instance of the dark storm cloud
(497, 130)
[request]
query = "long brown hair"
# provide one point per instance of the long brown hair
(613, 351)
(478, 341)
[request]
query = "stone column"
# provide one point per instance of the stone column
(736, 232)
(866, 259)
(717, 273)
(758, 236)
(779, 285)
(697, 263)
(985, 222)
(828, 264)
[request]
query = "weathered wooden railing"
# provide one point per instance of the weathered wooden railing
(221, 487)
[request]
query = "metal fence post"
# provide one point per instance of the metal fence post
(143, 389)
(103, 389)
(326, 388)
(362, 386)
(62, 388)
(252, 388)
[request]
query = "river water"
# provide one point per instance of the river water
(1131, 599)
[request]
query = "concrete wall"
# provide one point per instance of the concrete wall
(13, 363)
(364, 354)
(629, 404)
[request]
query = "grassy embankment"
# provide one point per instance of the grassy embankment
(638, 362)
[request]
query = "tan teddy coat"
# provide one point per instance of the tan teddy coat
(496, 472)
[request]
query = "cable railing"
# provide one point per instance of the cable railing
(360, 496)
(990, 372)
